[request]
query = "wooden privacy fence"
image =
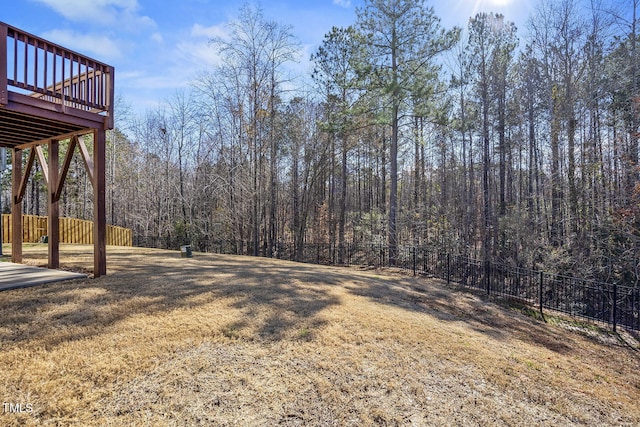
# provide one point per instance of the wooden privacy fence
(72, 230)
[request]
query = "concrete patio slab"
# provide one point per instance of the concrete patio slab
(13, 276)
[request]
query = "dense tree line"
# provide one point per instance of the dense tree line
(520, 147)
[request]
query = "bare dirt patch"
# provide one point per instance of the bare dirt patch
(224, 340)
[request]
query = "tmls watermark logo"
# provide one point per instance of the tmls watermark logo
(17, 408)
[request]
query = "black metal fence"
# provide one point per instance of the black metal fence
(610, 304)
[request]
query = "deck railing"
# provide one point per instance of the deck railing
(55, 74)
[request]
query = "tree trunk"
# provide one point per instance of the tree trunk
(343, 201)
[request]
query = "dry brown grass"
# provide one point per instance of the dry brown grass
(224, 340)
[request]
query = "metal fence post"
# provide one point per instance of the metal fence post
(487, 272)
(615, 306)
(413, 249)
(540, 292)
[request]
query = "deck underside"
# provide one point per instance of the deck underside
(28, 121)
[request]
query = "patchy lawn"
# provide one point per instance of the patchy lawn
(226, 340)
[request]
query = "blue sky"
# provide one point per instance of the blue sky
(157, 47)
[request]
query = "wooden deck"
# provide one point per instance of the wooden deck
(50, 94)
(48, 91)
(14, 276)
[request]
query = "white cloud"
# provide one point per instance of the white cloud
(130, 75)
(157, 37)
(196, 52)
(198, 55)
(215, 31)
(179, 63)
(342, 3)
(99, 47)
(124, 13)
(167, 81)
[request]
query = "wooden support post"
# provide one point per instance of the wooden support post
(16, 208)
(99, 205)
(54, 208)
(110, 97)
(4, 95)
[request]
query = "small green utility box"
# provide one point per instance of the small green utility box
(185, 251)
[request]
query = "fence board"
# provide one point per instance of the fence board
(72, 230)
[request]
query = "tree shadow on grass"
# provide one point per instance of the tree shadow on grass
(275, 298)
(451, 303)
(279, 300)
